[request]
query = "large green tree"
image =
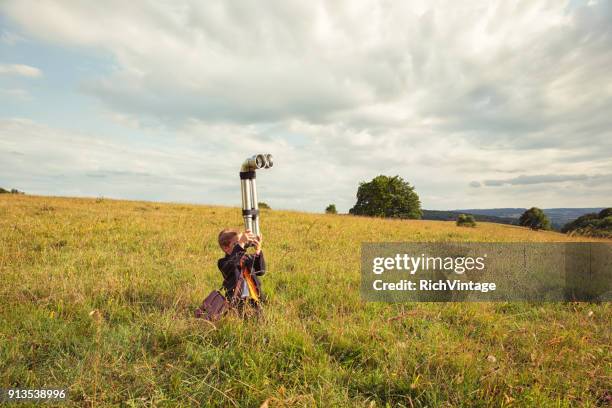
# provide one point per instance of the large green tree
(386, 196)
(535, 218)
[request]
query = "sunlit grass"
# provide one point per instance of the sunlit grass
(98, 296)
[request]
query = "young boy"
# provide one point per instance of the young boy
(234, 243)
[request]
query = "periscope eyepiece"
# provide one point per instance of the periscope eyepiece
(248, 189)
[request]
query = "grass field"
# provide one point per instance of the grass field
(98, 296)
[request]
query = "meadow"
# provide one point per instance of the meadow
(98, 296)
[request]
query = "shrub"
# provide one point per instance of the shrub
(466, 220)
(263, 205)
(331, 209)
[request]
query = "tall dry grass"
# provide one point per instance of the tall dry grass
(98, 296)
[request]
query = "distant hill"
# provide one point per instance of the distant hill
(452, 216)
(558, 216)
(495, 212)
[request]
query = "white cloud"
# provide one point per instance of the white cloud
(548, 178)
(20, 70)
(441, 94)
(201, 165)
(47, 160)
(16, 94)
(10, 38)
(474, 65)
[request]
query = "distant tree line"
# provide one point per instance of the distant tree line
(593, 224)
(392, 197)
(11, 191)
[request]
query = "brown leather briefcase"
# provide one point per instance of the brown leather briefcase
(213, 307)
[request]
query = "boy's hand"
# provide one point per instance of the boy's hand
(257, 242)
(245, 238)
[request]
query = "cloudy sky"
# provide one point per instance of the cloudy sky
(476, 103)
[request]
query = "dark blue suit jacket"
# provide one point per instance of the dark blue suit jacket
(229, 266)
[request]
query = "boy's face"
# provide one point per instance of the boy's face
(230, 246)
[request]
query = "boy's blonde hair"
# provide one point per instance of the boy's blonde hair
(226, 236)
